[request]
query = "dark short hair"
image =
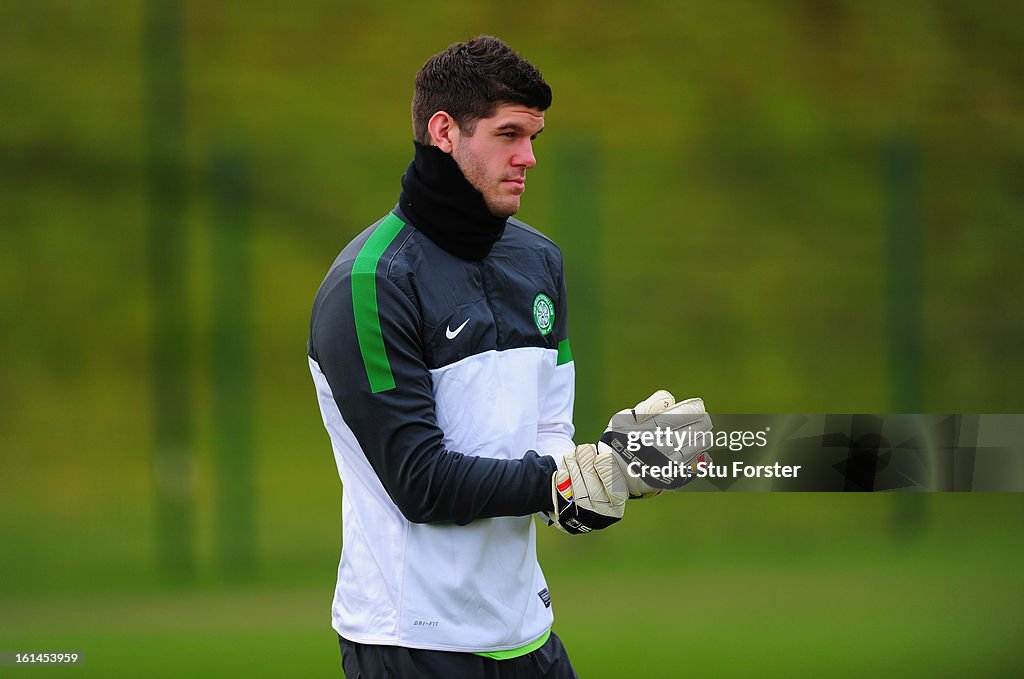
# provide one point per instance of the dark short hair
(469, 80)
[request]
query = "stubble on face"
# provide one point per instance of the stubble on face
(474, 167)
(494, 159)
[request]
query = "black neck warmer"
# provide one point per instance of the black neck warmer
(440, 202)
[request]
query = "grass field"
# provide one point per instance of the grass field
(776, 595)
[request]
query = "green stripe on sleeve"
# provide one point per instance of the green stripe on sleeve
(364, 304)
(564, 352)
(516, 652)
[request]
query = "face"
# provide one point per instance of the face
(498, 154)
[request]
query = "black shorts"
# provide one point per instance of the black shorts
(363, 661)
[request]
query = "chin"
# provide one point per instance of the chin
(504, 209)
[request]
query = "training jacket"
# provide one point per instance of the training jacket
(446, 386)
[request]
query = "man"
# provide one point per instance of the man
(440, 353)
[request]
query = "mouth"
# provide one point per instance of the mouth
(517, 184)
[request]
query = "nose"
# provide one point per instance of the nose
(524, 155)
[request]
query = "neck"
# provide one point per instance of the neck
(440, 202)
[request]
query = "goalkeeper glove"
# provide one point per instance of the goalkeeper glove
(680, 444)
(589, 493)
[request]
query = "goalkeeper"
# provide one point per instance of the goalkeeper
(440, 354)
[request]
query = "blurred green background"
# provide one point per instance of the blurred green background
(796, 206)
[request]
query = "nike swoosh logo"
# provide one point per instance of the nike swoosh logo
(452, 334)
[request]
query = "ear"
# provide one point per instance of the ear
(444, 133)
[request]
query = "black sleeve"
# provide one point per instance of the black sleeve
(385, 396)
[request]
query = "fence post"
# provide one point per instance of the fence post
(902, 175)
(167, 254)
(576, 171)
(231, 329)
